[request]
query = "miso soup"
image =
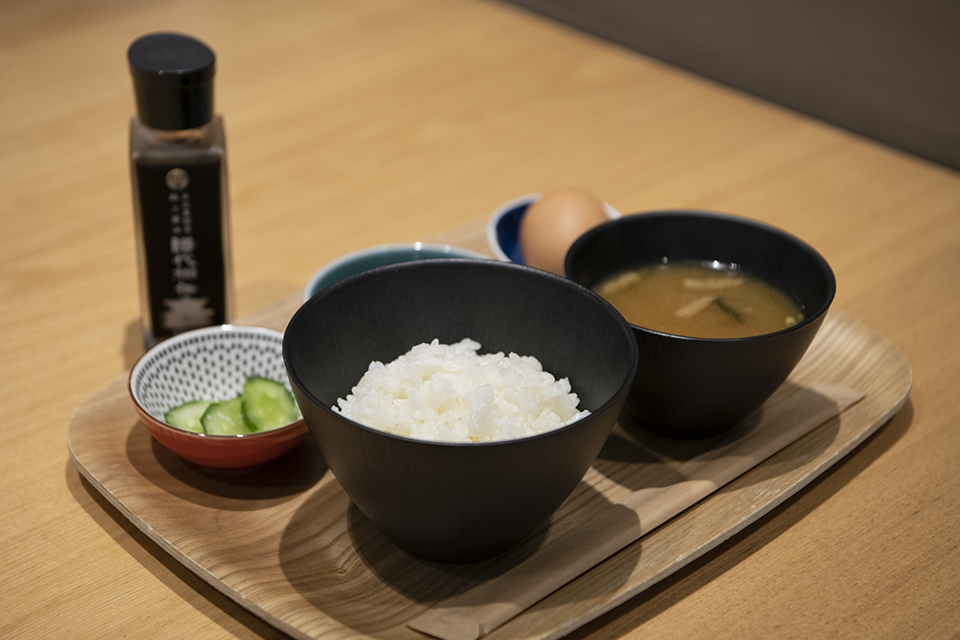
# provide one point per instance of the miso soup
(700, 300)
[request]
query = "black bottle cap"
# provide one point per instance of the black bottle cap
(172, 80)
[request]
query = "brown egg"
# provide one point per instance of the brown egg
(552, 223)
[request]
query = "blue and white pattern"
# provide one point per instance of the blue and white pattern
(206, 364)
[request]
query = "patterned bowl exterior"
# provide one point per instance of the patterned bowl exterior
(211, 364)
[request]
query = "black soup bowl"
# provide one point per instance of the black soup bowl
(699, 387)
(454, 502)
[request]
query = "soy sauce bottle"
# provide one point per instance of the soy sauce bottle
(180, 197)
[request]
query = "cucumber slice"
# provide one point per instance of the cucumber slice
(225, 418)
(267, 404)
(187, 415)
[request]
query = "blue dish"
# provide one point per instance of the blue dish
(380, 256)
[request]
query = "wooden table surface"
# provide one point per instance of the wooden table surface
(358, 123)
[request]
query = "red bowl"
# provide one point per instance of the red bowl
(211, 363)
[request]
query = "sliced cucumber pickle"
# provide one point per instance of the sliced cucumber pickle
(225, 418)
(267, 404)
(264, 404)
(187, 415)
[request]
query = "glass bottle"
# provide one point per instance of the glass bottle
(180, 196)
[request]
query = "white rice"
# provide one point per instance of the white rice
(449, 393)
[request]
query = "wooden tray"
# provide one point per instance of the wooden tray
(284, 541)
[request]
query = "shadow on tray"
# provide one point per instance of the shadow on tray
(343, 564)
(247, 489)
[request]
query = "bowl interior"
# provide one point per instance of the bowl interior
(370, 258)
(507, 232)
(761, 250)
(206, 364)
(378, 315)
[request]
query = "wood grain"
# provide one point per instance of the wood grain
(351, 124)
(284, 540)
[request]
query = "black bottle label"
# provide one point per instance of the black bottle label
(180, 208)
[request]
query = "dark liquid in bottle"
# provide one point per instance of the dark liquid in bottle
(182, 233)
